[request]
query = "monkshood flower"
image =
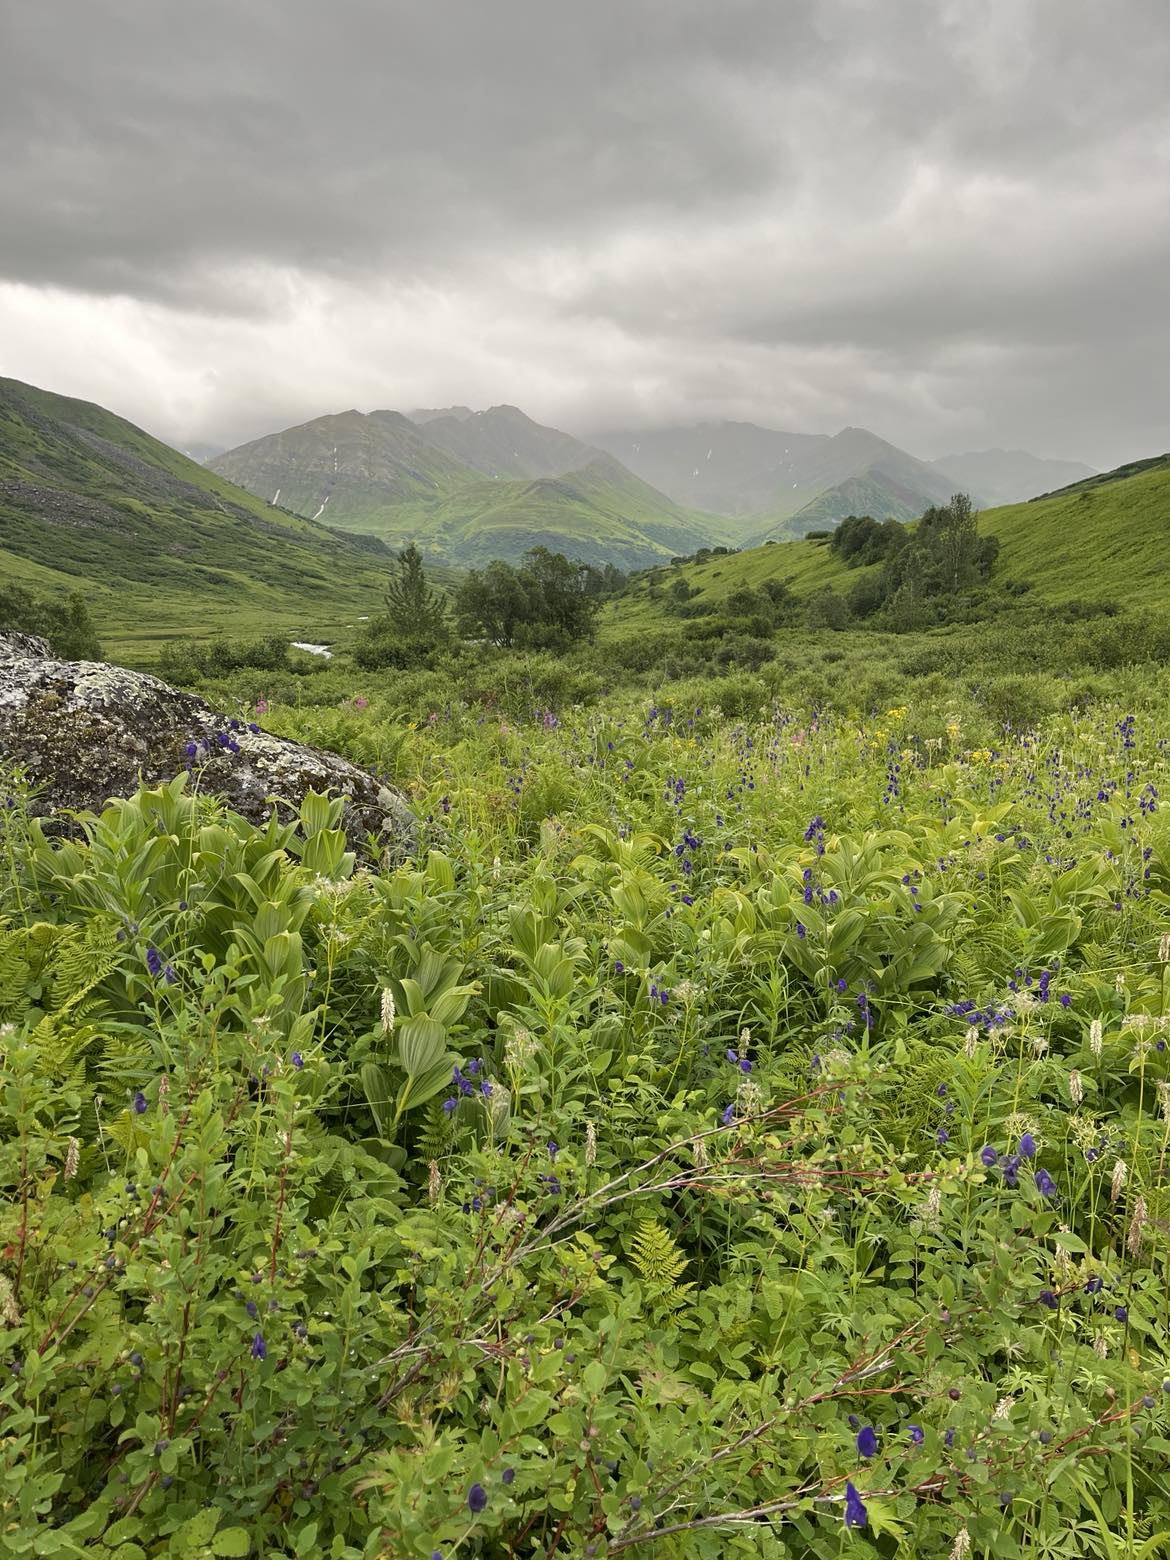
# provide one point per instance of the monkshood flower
(476, 1499)
(1045, 1185)
(917, 1434)
(139, 1103)
(1027, 1148)
(259, 1347)
(855, 1512)
(154, 962)
(867, 1444)
(989, 1156)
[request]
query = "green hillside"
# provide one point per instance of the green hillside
(1102, 540)
(157, 544)
(600, 515)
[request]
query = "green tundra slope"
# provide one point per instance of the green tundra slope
(1104, 539)
(156, 543)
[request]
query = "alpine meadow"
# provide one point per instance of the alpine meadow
(587, 977)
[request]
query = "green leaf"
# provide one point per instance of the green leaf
(232, 1541)
(421, 1043)
(197, 1531)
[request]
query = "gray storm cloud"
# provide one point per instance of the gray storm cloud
(946, 221)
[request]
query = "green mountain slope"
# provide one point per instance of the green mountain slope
(1105, 539)
(600, 514)
(157, 543)
(1132, 468)
(469, 487)
(348, 467)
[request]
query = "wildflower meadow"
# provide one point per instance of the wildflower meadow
(723, 1136)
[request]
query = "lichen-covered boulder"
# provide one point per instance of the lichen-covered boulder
(83, 731)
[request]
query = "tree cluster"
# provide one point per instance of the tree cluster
(929, 573)
(547, 602)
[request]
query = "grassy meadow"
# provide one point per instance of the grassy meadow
(740, 1129)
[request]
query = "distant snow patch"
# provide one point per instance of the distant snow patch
(322, 650)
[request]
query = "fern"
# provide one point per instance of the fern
(660, 1264)
(435, 1134)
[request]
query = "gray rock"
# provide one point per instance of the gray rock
(82, 732)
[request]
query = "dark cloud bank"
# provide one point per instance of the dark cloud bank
(947, 220)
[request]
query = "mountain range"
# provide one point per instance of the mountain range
(468, 486)
(781, 484)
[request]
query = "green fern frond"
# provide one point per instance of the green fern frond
(436, 1133)
(656, 1256)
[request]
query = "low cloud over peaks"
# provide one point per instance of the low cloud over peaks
(947, 222)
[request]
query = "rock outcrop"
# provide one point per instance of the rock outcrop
(83, 731)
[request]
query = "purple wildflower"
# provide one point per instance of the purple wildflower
(855, 1512)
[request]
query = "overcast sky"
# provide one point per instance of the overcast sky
(945, 220)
